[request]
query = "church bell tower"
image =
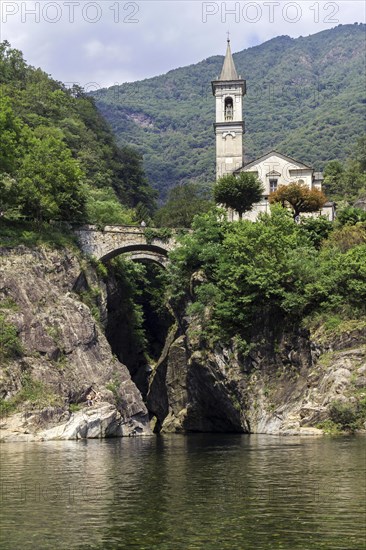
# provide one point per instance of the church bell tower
(229, 91)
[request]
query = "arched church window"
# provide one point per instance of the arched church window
(229, 110)
(273, 185)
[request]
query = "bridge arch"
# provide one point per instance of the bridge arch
(133, 242)
(139, 252)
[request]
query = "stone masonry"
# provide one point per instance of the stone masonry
(129, 240)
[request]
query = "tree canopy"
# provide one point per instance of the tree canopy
(239, 192)
(50, 182)
(272, 269)
(299, 197)
(184, 202)
(347, 181)
(58, 157)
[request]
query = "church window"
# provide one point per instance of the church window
(229, 111)
(272, 185)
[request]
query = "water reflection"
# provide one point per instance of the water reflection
(194, 492)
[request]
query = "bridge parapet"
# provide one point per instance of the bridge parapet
(138, 242)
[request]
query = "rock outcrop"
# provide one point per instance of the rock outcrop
(191, 391)
(95, 422)
(65, 355)
(284, 385)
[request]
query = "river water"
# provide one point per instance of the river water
(185, 493)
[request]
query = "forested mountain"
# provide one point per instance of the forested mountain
(58, 156)
(305, 98)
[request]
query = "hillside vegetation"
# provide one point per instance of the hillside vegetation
(305, 98)
(254, 273)
(58, 157)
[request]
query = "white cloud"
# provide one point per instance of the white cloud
(135, 40)
(93, 48)
(97, 50)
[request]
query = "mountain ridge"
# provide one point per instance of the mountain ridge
(305, 99)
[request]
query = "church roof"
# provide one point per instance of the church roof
(228, 69)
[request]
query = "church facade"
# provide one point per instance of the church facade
(273, 169)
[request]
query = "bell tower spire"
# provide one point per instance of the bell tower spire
(228, 69)
(229, 90)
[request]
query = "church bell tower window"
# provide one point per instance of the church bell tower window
(229, 108)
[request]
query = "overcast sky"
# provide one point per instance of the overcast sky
(98, 44)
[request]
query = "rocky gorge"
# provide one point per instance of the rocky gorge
(64, 382)
(64, 355)
(289, 392)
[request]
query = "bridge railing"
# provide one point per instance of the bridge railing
(131, 228)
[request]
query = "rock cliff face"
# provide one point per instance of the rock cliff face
(65, 355)
(284, 386)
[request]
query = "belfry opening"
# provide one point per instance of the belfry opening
(229, 108)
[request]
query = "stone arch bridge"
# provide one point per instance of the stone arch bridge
(136, 243)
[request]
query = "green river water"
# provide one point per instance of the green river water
(185, 493)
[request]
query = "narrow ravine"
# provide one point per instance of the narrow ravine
(138, 320)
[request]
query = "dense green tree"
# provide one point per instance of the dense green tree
(251, 274)
(184, 202)
(299, 197)
(347, 181)
(316, 229)
(359, 153)
(10, 132)
(350, 216)
(8, 198)
(103, 209)
(12, 64)
(347, 237)
(354, 181)
(239, 192)
(131, 184)
(50, 182)
(333, 183)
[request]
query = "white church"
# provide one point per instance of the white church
(273, 168)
